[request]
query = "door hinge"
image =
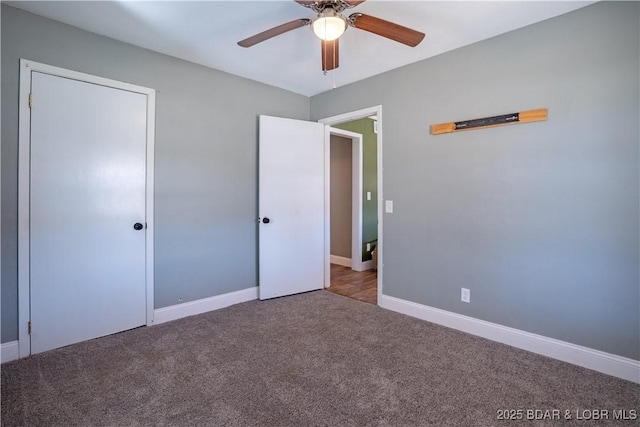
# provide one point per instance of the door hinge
(29, 327)
(30, 100)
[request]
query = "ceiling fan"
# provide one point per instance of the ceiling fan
(330, 24)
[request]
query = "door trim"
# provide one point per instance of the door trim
(356, 196)
(346, 117)
(24, 173)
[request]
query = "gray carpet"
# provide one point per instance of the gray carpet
(316, 359)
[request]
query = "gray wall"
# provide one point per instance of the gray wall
(206, 150)
(341, 178)
(539, 220)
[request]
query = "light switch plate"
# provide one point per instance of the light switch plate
(388, 206)
(368, 195)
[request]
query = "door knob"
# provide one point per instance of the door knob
(137, 226)
(266, 220)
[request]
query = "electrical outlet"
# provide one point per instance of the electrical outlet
(465, 295)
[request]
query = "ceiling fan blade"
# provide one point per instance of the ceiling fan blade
(272, 32)
(330, 54)
(354, 3)
(386, 29)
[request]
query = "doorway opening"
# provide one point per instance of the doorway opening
(355, 276)
(345, 198)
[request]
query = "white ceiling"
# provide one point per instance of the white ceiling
(207, 32)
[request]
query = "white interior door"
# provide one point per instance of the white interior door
(88, 169)
(291, 206)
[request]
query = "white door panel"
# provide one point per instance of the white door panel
(87, 263)
(291, 196)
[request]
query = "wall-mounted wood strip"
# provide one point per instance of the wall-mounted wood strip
(502, 120)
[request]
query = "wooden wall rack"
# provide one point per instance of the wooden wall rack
(502, 120)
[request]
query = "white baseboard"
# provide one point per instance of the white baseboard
(364, 266)
(340, 260)
(204, 305)
(9, 351)
(346, 262)
(597, 360)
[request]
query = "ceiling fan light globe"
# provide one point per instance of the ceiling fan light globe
(329, 27)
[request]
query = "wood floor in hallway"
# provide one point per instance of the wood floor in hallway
(360, 285)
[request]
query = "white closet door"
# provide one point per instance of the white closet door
(88, 167)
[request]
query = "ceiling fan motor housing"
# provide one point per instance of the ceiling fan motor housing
(320, 6)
